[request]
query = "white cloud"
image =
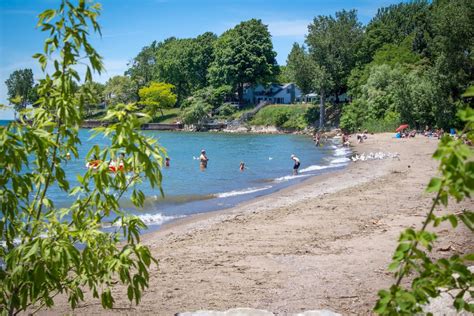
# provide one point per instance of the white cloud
(294, 28)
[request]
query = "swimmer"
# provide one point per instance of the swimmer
(242, 166)
(203, 159)
(296, 165)
(167, 162)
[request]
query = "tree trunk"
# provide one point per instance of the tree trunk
(321, 110)
(240, 92)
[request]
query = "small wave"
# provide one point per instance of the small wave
(341, 152)
(153, 219)
(339, 160)
(317, 167)
(286, 178)
(241, 192)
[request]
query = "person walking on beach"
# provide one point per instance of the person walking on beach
(203, 160)
(296, 165)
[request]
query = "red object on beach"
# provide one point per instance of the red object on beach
(401, 127)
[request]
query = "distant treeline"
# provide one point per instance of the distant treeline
(409, 64)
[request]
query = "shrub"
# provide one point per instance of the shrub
(286, 116)
(226, 110)
(197, 112)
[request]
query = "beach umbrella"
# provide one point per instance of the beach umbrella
(401, 127)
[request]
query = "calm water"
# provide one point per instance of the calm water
(188, 190)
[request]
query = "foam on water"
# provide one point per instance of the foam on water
(317, 167)
(342, 151)
(287, 178)
(241, 192)
(154, 219)
(339, 160)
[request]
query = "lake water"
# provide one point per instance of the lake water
(189, 190)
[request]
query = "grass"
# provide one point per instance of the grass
(290, 116)
(169, 116)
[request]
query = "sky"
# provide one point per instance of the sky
(129, 25)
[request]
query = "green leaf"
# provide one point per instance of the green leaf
(434, 185)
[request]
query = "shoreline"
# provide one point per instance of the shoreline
(324, 243)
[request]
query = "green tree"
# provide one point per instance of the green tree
(215, 96)
(93, 96)
(244, 55)
(46, 249)
(392, 24)
(202, 55)
(283, 75)
(197, 112)
(20, 88)
(301, 68)
(157, 96)
(453, 45)
(184, 63)
(332, 43)
(120, 89)
(142, 67)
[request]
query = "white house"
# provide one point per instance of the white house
(283, 94)
(274, 93)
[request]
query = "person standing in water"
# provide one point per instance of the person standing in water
(167, 162)
(296, 165)
(242, 166)
(203, 159)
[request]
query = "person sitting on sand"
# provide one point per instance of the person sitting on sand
(242, 166)
(203, 159)
(296, 165)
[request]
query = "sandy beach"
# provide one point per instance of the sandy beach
(323, 244)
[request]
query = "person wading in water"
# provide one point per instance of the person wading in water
(203, 160)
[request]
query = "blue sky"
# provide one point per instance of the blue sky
(129, 25)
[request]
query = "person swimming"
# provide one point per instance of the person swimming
(242, 166)
(203, 159)
(296, 165)
(167, 162)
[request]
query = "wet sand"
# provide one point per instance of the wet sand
(321, 244)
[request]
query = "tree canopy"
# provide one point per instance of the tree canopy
(120, 89)
(301, 68)
(244, 55)
(157, 96)
(20, 88)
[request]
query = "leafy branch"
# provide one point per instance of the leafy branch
(411, 257)
(47, 251)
